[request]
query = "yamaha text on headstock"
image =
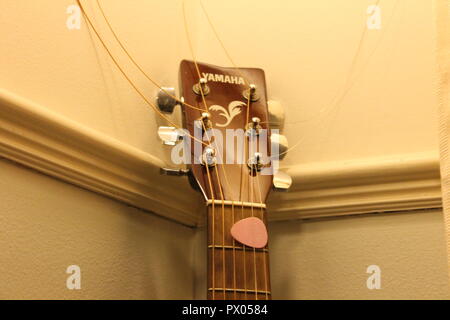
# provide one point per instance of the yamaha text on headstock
(231, 146)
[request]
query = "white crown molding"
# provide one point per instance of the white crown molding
(397, 183)
(38, 138)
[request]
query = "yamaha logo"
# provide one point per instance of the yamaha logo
(213, 77)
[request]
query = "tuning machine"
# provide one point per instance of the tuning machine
(251, 93)
(201, 88)
(204, 122)
(181, 173)
(279, 145)
(281, 181)
(276, 114)
(170, 135)
(255, 163)
(174, 172)
(253, 128)
(208, 157)
(166, 99)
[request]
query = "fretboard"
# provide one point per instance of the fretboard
(235, 271)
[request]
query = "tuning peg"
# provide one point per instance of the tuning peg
(281, 181)
(174, 172)
(166, 100)
(281, 141)
(251, 93)
(170, 135)
(201, 88)
(181, 172)
(276, 114)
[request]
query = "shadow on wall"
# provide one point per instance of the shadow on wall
(162, 255)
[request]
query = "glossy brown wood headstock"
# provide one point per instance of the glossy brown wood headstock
(227, 107)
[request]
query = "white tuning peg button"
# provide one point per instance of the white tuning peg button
(170, 135)
(276, 114)
(281, 181)
(279, 145)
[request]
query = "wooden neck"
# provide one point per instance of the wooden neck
(235, 271)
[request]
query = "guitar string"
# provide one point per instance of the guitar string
(229, 57)
(122, 71)
(136, 63)
(126, 76)
(198, 71)
(330, 105)
(282, 153)
(134, 86)
(246, 155)
(335, 101)
(263, 253)
(213, 276)
(220, 155)
(250, 177)
(213, 207)
(259, 188)
(218, 38)
(234, 254)
(233, 216)
(355, 74)
(250, 190)
(348, 85)
(338, 98)
(221, 43)
(140, 68)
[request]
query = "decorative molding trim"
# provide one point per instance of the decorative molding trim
(398, 183)
(38, 138)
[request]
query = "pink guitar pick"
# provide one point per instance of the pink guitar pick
(250, 231)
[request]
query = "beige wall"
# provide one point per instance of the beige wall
(328, 258)
(47, 225)
(123, 253)
(69, 72)
(386, 104)
(385, 107)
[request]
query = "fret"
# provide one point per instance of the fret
(232, 265)
(240, 290)
(236, 248)
(237, 204)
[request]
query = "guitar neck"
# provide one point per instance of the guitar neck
(235, 271)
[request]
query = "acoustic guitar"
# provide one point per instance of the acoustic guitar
(231, 147)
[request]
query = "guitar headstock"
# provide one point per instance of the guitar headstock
(231, 141)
